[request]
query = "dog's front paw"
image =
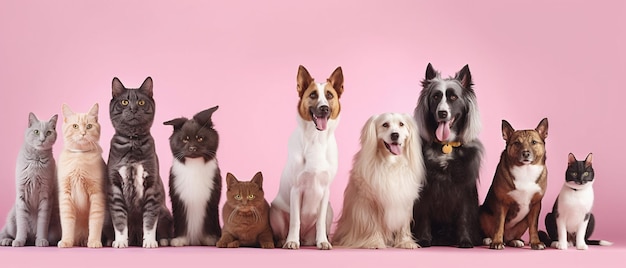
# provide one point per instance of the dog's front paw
(325, 245)
(268, 245)
(119, 244)
(6, 242)
(487, 241)
(582, 246)
(42, 242)
(424, 243)
(537, 246)
(408, 245)
(516, 243)
(292, 245)
(150, 243)
(498, 246)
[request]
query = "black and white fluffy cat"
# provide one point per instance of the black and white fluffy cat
(136, 197)
(195, 180)
(571, 221)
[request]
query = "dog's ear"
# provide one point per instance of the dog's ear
(588, 160)
(369, 138)
(304, 79)
(465, 77)
(542, 128)
(336, 79)
(507, 130)
(230, 180)
(204, 118)
(431, 73)
(177, 123)
(258, 179)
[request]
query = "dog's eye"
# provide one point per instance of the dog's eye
(186, 139)
(401, 124)
(329, 95)
(313, 95)
(453, 97)
(251, 196)
(199, 139)
(385, 124)
(436, 97)
(238, 197)
(534, 142)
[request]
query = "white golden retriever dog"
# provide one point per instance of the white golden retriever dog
(385, 180)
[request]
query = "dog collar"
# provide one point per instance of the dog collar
(446, 147)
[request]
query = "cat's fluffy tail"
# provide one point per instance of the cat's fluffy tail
(599, 242)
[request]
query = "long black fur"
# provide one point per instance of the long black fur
(447, 212)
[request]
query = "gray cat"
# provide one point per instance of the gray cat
(34, 219)
(136, 194)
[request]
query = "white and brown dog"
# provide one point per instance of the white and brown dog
(301, 212)
(385, 180)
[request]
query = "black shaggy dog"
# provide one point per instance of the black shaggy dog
(448, 119)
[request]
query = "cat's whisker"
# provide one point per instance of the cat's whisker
(232, 214)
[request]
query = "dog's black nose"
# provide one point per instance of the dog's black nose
(526, 154)
(193, 149)
(324, 109)
(442, 114)
(395, 136)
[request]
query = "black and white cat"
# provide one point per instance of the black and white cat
(136, 197)
(571, 221)
(195, 180)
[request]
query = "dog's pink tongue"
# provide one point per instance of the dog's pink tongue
(443, 131)
(321, 123)
(395, 149)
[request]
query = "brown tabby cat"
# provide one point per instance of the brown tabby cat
(245, 214)
(81, 172)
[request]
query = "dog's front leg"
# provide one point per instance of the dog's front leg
(293, 237)
(498, 237)
(533, 223)
(321, 234)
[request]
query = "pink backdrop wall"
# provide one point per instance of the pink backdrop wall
(558, 59)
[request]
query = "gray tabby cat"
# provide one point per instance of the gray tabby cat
(34, 219)
(136, 194)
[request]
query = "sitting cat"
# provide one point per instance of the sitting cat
(136, 194)
(82, 178)
(245, 214)
(571, 221)
(34, 219)
(195, 180)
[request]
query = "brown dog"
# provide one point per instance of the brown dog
(513, 202)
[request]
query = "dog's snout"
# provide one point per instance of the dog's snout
(526, 154)
(442, 114)
(395, 136)
(324, 109)
(193, 148)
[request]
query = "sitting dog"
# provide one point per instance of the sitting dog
(301, 212)
(513, 202)
(385, 180)
(448, 120)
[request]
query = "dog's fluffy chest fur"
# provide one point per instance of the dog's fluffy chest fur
(525, 181)
(194, 184)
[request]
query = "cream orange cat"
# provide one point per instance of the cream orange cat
(81, 177)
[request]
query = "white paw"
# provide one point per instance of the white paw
(94, 244)
(6, 242)
(408, 245)
(292, 245)
(19, 243)
(41, 243)
(559, 245)
(582, 246)
(324, 245)
(178, 242)
(487, 241)
(150, 243)
(120, 244)
(516, 243)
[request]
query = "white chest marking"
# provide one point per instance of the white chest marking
(194, 184)
(525, 188)
(139, 175)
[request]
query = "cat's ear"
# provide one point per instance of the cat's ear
(146, 86)
(230, 180)
(204, 118)
(258, 179)
(32, 119)
(177, 123)
(507, 130)
(542, 128)
(67, 112)
(588, 160)
(303, 79)
(53, 120)
(117, 87)
(571, 159)
(465, 77)
(94, 111)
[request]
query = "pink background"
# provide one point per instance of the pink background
(556, 59)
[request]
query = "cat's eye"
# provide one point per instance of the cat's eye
(36, 132)
(89, 126)
(186, 139)
(75, 126)
(124, 102)
(586, 173)
(238, 197)
(574, 174)
(385, 124)
(251, 196)
(48, 133)
(141, 102)
(199, 139)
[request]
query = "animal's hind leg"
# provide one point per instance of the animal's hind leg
(279, 225)
(513, 235)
